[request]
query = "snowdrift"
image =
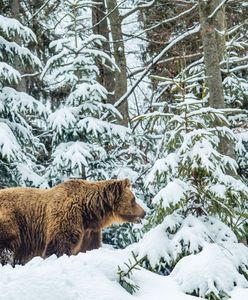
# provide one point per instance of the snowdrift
(87, 276)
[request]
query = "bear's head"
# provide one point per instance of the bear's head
(125, 207)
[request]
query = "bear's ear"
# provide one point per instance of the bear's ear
(126, 183)
(114, 188)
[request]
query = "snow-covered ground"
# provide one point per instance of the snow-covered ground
(87, 276)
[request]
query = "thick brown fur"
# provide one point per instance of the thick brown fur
(65, 219)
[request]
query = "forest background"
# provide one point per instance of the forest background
(156, 91)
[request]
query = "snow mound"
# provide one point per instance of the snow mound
(168, 196)
(88, 276)
(177, 235)
(211, 271)
(85, 276)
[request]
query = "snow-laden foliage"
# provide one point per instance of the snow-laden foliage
(214, 272)
(235, 86)
(200, 253)
(242, 149)
(19, 112)
(196, 192)
(193, 166)
(180, 236)
(84, 143)
(12, 27)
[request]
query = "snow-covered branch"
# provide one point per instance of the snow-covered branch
(217, 9)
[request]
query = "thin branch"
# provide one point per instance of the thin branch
(217, 9)
(194, 30)
(30, 75)
(168, 20)
(242, 67)
(235, 60)
(106, 15)
(39, 10)
(167, 60)
(189, 56)
(138, 7)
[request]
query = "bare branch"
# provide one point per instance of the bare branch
(194, 30)
(39, 10)
(139, 6)
(168, 20)
(167, 60)
(217, 9)
(106, 15)
(189, 56)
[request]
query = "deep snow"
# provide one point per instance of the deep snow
(87, 276)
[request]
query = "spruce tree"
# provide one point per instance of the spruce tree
(19, 112)
(200, 203)
(84, 144)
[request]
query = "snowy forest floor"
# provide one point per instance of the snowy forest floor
(88, 276)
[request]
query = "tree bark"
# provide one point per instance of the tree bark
(213, 41)
(212, 53)
(100, 26)
(220, 25)
(120, 57)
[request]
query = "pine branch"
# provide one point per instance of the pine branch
(125, 276)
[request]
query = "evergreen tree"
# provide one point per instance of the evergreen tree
(200, 203)
(84, 144)
(19, 112)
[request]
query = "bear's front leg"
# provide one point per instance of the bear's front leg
(10, 240)
(68, 243)
(91, 240)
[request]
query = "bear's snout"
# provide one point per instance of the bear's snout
(140, 213)
(144, 214)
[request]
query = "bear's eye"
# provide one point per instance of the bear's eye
(133, 202)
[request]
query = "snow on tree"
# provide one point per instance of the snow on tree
(200, 203)
(235, 86)
(19, 112)
(84, 144)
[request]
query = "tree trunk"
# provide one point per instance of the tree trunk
(120, 58)
(213, 41)
(220, 25)
(211, 45)
(100, 26)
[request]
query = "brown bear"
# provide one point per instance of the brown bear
(65, 219)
